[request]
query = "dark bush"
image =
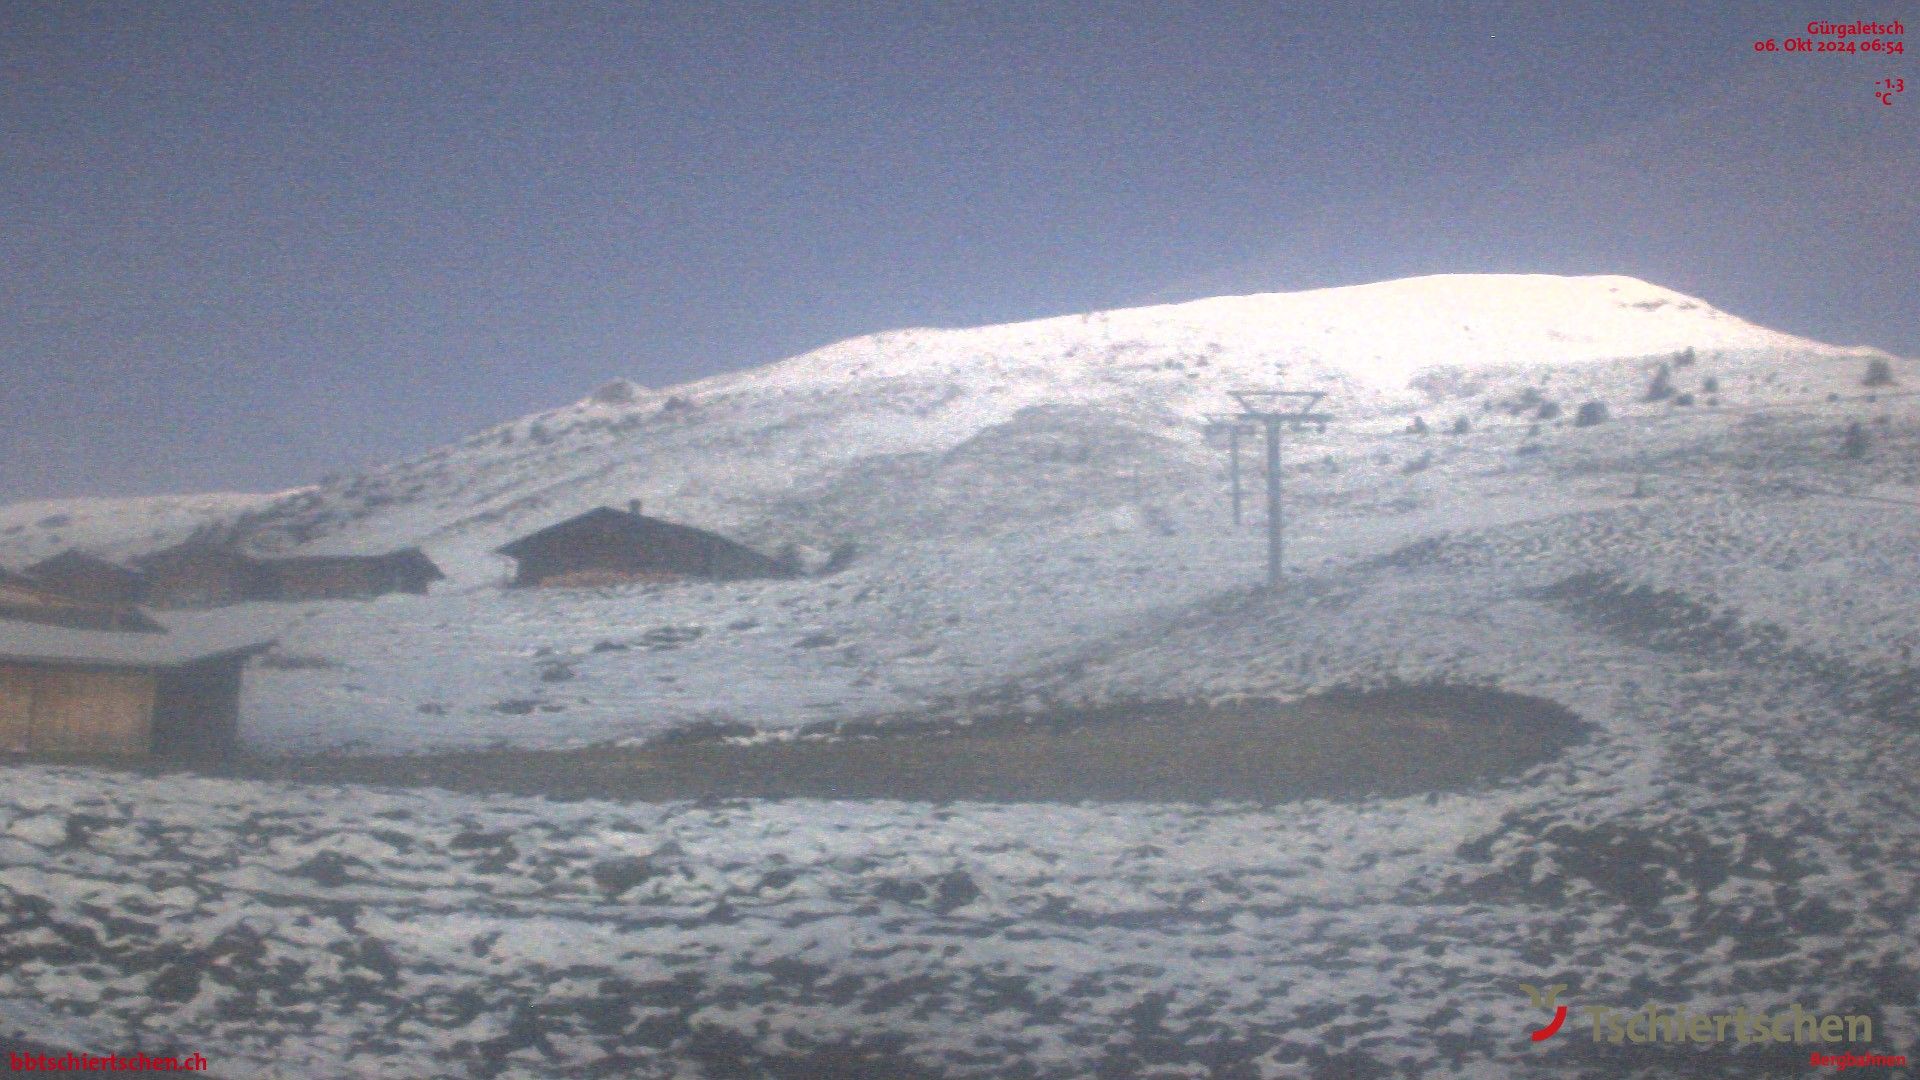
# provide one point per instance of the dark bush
(1549, 410)
(839, 557)
(1462, 425)
(1590, 414)
(1683, 399)
(1854, 443)
(1709, 385)
(1661, 388)
(1419, 464)
(1879, 373)
(1684, 358)
(1418, 427)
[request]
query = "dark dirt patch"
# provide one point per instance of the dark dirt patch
(1670, 621)
(1392, 742)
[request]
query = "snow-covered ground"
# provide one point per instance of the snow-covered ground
(974, 576)
(1011, 493)
(1733, 836)
(31, 531)
(1037, 519)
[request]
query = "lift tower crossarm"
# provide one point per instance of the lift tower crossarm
(1272, 409)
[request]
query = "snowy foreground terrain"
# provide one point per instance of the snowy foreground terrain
(1035, 519)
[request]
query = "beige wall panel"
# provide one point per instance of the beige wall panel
(93, 712)
(16, 708)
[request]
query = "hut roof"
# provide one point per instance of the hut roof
(193, 551)
(25, 599)
(605, 522)
(404, 558)
(184, 641)
(73, 560)
(414, 559)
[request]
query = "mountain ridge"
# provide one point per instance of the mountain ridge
(729, 449)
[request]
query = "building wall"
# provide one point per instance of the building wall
(68, 710)
(16, 709)
(94, 586)
(196, 713)
(321, 581)
(346, 577)
(584, 579)
(34, 605)
(197, 585)
(672, 558)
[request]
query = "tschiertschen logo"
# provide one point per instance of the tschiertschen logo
(1677, 1024)
(1547, 999)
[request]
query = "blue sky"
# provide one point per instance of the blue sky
(247, 244)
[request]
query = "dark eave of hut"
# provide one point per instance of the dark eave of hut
(27, 600)
(195, 551)
(595, 523)
(599, 530)
(411, 560)
(74, 562)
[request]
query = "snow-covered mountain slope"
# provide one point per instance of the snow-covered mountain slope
(1015, 494)
(1375, 336)
(717, 448)
(31, 531)
(1716, 579)
(723, 450)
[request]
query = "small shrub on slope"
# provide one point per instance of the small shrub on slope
(1661, 388)
(1854, 444)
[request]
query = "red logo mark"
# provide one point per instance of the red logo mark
(1545, 998)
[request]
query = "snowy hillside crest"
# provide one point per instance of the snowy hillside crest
(735, 451)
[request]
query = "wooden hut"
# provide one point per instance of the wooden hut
(607, 546)
(92, 692)
(75, 573)
(331, 577)
(197, 574)
(26, 599)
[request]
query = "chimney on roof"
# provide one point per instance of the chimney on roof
(633, 507)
